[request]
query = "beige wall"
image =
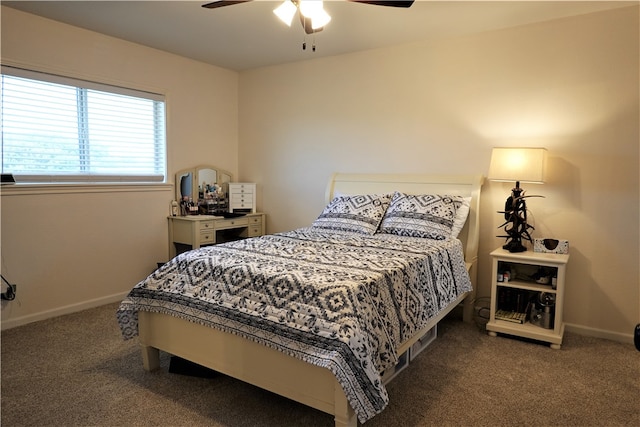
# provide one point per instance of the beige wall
(68, 251)
(569, 85)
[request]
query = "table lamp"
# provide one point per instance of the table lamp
(519, 165)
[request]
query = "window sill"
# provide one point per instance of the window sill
(38, 189)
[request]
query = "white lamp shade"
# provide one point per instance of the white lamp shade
(286, 12)
(518, 164)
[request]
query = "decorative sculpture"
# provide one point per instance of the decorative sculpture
(516, 226)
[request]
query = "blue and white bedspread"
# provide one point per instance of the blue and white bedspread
(338, 300)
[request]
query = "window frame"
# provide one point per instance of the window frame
(66, 182)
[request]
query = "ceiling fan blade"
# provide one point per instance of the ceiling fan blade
(391, 3)
(222, 3)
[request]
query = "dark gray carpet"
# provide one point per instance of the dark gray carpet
(76, 370)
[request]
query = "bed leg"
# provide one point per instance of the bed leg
(468, 304)
(345, 416)
(150, 358)
(468, 309)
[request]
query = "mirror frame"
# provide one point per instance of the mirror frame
(195, 179)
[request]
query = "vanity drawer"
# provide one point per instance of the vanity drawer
(205, 226)
(255, 230)
(255, 226)
(237, 188)
(231, 223)
(207, 237)
(242, 204)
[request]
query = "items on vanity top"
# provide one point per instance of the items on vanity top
(233, 197)
(242, 197)
(206, 189)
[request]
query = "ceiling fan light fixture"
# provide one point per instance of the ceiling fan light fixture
(286, 12)
(321, 19)
(314, 10)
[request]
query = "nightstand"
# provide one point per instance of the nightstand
(527, 295)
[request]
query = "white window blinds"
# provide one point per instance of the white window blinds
(56, 129)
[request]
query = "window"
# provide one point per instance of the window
(57, 129)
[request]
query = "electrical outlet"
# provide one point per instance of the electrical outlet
(10, 294)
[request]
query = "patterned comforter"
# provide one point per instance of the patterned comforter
(339, 300)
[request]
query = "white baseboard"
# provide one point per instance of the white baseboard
(68, 309)
(600, 333)
(73, 308)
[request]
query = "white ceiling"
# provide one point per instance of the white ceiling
(249, 35)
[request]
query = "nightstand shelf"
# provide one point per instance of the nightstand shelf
(518, 284)
(522, 294)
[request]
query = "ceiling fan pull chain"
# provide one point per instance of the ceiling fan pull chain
(314, 42)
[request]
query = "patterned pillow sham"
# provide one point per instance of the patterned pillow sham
(358, 213)
(428, 216)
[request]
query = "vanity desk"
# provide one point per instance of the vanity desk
(209, 187)
(194, 231)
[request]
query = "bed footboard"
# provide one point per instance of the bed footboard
(252, 362)
(245, 360)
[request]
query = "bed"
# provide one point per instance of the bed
(324, 313)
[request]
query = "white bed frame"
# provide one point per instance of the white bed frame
(285, 375)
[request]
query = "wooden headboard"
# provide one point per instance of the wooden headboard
(455, 185)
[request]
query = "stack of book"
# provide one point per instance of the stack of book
(511, 316)
(513, 304)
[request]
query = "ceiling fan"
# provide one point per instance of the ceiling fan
(312, 16)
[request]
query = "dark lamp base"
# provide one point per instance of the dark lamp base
(514, 246)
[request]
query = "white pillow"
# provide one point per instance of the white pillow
(461, 216)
